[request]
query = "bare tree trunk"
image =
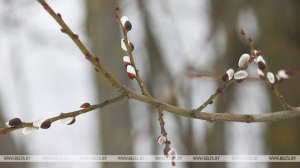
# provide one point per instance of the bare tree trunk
(115, 122)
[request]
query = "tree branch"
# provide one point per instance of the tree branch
(267, 117)
(83, 49)
(129, 94)
(66, 115)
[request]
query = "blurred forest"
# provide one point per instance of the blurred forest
(130, 127)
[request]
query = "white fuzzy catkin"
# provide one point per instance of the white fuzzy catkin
(38, 122)
(161, 140)
(28, 130)
(243, 60)
(66, 121)
(172, 153)
(123, 20)
(240, 75)
(126, 59)
(271, 77)
(260, 58)
(282, 74)
(123, 45)
(131, 70)
(260, 72)
(230, 73)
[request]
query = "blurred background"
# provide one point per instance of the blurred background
(43, 73)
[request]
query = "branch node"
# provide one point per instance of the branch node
(249, 119)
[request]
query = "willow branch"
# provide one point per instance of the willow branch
(66, 115)
(218, 77)
(273, 86)
(163, 132)
(278, 95)
(83, 49)
(138, 79)
(247, 118)
(129, 94)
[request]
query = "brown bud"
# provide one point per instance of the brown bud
(289, 72)
(87, 57)
(76, 36)
(116, 16)
(225, 77)
(239, 80)
(261, 65)
(15, 122)
(127, 25)
(272, 87)
(97, 59)
(58, 14)
(72, 122)
(242, 32)
(220, 89)
(85, 105)
(46, 7)
(173, 163)
(251, 59)
(3, 132)
(209, 121)
(249, 119)
(117, 7)
(211, 102)
(130, 76)
(108, 76)
(63, 30)
(166, 150)
(250, 39)
(96, 70)
(106, 101)
(131, 46)
(126, 64)
(258, 53)
(46, 124)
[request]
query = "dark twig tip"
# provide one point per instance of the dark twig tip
(117, 7)
(242, 32)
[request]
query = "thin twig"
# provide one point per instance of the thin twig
(138, 79)
(66, 115)
(217, 77)
(160, 109)
(82, 48)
